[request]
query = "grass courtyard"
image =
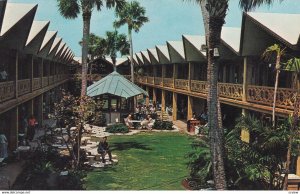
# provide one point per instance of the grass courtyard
(147, 161)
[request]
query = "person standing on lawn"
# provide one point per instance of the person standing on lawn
(103, 149)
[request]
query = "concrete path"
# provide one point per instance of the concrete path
(9, 174)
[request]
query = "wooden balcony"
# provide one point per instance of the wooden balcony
(259, 98)
(7, 90)
(182, 84)
(36, 83)
(158, 81)
(168, 82)
(27, 89)
(234, 91)
(45, 81)
(265, 95)
(55, 78)
(24, 86)
(199, 86)
(51, 80)
(150, 80)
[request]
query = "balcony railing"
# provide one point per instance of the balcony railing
(7, 90)
(51, 81)
(168, 82)
(229, 90)
(23, 86)
(36, 83)
(55, 78)
(265, 95)
(255, 94)
(143, 79)
(182, 84)
(45, 81)
(199, 86)
(150, 80)
(158, 81)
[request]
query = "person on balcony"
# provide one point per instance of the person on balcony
(3, 74)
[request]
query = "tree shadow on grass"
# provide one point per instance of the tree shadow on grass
(121, 146)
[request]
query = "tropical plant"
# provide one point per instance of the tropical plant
(294, 66)
(163, 125)
(268, 55)
(96, 49)
(117, 128)
(116, 43)
(200, 164)
(71, 112)
(133, 15)
(70, 9)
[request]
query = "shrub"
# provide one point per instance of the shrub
(99, 120)
(117, 128)
(163, 125)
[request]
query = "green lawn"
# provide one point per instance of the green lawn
(147, 161)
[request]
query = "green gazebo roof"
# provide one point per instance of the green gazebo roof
(115, 84)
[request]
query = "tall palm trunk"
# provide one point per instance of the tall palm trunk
(131, 54)
(86, 31)
(216, 133)
(276, 88)
(131, 63)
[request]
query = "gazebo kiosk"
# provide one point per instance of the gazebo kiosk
(117, 94)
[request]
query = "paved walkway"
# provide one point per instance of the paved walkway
(9, 174)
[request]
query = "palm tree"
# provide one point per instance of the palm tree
(214, 13)
(133, 15)
(96, 49)
(70, 9)
(116, 43)
(267, 55)
(294, 66)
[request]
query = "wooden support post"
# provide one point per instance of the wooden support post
(154, 95)
(245, 135)
(17, 74)
(163, 73)
(41, 74)
(245, 81)
(147, 97)
(298, 166)
(174, 111)
(30, 110)
(14, 124)
(175, 74)
(190, 108)
(163, 102)
(31, 72)
(191, 75)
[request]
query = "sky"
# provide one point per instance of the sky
(169, 20)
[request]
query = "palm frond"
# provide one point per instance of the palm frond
(248, 5)
(69, 8)
(133, 15)
(293, 65)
